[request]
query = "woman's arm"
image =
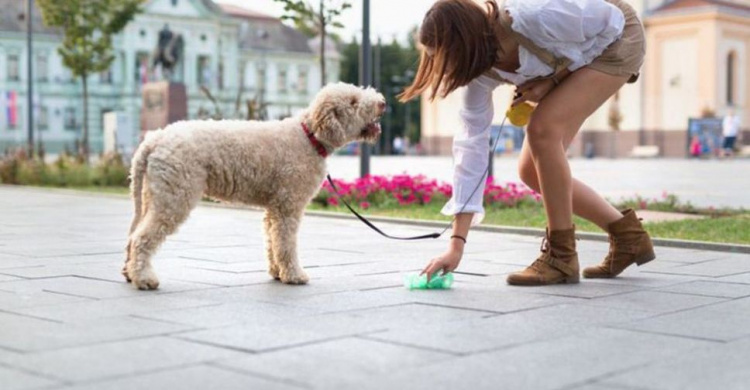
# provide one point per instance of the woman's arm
(471, 155)
(448, 261)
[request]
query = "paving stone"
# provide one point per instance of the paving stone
(75, 286)
(84, 311)
(11, 300)
(723, 322)
(551, 364)
(654, 301)
(348, 363)
(14, 379)
(130, 357)
(737, 278)
(25, 334)
(200, 377)
(711, 289)
(724, 266)
(716, 367)
(500, 331)
(225, 314)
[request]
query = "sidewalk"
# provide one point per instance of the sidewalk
(68, 320)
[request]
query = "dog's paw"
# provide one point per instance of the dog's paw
(294, 277)
(145, 280)
(274, 272)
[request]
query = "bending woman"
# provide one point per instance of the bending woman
(569, 56)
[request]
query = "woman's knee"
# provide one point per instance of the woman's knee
(543, 133)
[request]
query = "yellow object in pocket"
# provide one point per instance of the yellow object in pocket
(520, 114)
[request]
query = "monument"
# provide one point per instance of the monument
(164, 101)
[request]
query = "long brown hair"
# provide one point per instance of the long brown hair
(462, 36)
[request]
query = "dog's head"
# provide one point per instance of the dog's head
(343, 113)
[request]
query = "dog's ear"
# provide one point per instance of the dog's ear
(327, 124)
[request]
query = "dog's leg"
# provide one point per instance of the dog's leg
(273, 268)
(144, 241)
(284, 228)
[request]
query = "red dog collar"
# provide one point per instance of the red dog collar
(314, 141)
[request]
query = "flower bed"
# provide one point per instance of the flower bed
(406, 190)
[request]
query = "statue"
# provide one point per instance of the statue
(168, 51)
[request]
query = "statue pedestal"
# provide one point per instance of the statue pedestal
(164, 102)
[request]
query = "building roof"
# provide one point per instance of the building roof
(264, 32)
(12, 18)
(686, 5)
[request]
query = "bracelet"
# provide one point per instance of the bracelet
(459, 237)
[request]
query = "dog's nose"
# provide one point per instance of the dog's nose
(381, 106)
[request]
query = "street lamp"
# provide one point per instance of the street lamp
(365, 79)
(263, 35)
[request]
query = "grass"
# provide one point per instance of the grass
(733, 229)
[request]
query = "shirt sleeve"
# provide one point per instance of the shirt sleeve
(576, 29)
(471, 150)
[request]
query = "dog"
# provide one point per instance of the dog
(276, 165)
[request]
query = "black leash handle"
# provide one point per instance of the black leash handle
(371, 225)
(425, 236)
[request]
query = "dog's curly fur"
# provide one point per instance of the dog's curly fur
(269, 164)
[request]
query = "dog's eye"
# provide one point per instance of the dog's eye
(353, 101)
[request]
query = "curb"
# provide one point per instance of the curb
(524, 231)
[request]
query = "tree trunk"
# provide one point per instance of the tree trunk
(322, 45)
(85, 141)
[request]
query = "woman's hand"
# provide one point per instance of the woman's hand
(533, 91)
(447, 262)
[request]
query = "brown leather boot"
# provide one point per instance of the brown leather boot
(558, 262)
(628, 244)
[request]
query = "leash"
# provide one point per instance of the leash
(425, 236)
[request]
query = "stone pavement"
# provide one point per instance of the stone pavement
(68, 320)
(705, 183)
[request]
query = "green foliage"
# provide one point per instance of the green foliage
(88, 27)
(395, 60)
(315, 20)
(66, 171)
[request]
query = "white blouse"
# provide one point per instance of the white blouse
(576, 29)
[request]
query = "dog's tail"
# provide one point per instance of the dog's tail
(138, 168)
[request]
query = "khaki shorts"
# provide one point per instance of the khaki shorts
(624, 57)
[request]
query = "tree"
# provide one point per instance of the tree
(396, 59)
(88, 27)
(317, 19)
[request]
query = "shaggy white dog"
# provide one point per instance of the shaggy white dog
(278, 165)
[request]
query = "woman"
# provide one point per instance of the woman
(569, 56)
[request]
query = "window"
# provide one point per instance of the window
(41, 67)
(141, 68)
(204, 71)
(731, 78)
(302, 80)
(13, 65)
(221, 75)
(69, 120)
(282, 81)
(261, 81)
(105, 77)
(13, 111)
(42, 120)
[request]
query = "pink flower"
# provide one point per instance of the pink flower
(365, 205)
(333, 201)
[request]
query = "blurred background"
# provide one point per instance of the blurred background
(238, 59)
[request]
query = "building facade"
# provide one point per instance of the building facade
(697, 64)
(220, 55)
